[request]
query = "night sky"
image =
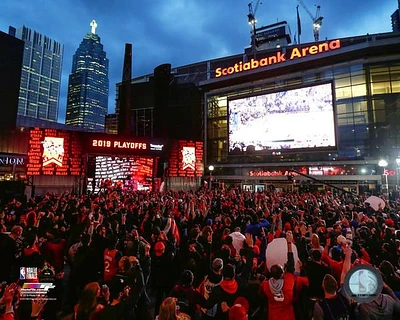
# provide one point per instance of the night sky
(180, 32)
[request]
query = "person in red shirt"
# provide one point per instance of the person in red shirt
(111, 258)
(336, 266)
(280, 287)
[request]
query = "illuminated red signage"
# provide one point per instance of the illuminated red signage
(118, 144)
(189, 158)
(54, 152)
(278, 57)
(186, 159)
(389, 172)
(121, 145)
(329, 171)
(271, 173)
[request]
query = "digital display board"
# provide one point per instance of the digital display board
(96, 143)
(186, 159)
(136, 173)
(301, 118)
(54, 152)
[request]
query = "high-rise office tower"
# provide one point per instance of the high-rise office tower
(41, 75)
(11, 56)
(396, 19)
(87, 102)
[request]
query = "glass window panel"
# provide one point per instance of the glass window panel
(344, 108)
(357, 79)
(360, 106)
(342, 71)
(360, 117)
(380, 116)
(378, 104)
(345, 119)
(394, 74)
(342, 82)
(359, 90)
(356, 69)
(344, 92)
(395, 86)
(379, 69)
(380, 77)
(380, 87)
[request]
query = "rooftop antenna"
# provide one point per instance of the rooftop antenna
(93, 26)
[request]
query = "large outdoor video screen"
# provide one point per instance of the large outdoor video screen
(294, 119)
(135, 173)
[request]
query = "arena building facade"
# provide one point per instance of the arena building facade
(360, 76)
(363, 125)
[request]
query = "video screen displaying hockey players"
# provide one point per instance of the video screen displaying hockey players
(294, 119)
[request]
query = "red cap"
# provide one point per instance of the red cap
(159, 248)
(239, 310)
(389, 223)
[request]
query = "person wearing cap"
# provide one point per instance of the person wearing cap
(211, 280)
(162, 267)
(227, 292)
(279, 289)
(240, 309)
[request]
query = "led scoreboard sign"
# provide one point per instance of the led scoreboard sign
(186, 159)
(54, 152)
(119, 144)
(122, 145)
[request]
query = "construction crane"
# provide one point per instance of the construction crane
(316, 19)
(252, 21)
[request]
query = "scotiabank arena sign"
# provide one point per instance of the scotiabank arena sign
(279, 57)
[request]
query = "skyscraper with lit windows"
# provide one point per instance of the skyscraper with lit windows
(41, 75)
(87, 102)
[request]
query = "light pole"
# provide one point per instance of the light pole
(211, 169)
(383, 164)
(397, 174)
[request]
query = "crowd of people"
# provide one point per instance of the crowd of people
(200, 254)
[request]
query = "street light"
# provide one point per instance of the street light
(211, 169)
(398, 174)
(383, 164)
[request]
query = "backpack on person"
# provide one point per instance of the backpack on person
(336, 309)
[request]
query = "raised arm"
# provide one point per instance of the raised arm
(290, 263)
(346, 264)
